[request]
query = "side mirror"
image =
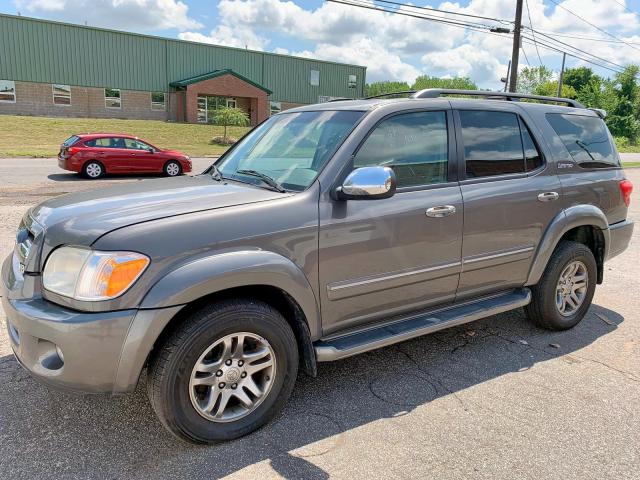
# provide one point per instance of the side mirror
(368, 183)
(151, 150)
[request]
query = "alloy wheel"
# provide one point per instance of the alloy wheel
(571, 289)
(173, 169)
(94, 170)
(232, 377)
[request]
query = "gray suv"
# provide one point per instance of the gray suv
(327, 231)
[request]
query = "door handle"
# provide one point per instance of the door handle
(548, 196)
(441, 211)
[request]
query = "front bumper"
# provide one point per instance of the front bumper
(619, 237)
(93, 352)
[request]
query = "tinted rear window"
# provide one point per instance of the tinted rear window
(586, 139)
(71, 140)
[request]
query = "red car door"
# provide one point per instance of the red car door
(101, 149)
(142, 156)
(120, 158)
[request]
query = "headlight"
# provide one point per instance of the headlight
(85, 274)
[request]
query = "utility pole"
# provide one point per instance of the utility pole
(506, 79)
(564, 56)
(515, 53)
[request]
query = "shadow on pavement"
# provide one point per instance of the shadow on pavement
(42, 431)
(74, 177)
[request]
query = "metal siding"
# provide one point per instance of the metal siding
(48, 52)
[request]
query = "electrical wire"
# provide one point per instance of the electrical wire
(593, 25)
(449, 12)
(532, 31)
(476, 27)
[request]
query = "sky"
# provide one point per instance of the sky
(392, 47)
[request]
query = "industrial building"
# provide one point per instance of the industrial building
(58, 69)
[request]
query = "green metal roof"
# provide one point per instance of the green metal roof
(214, 74)
(44, 51)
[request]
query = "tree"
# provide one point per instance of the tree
(550, 89)
(579, 77)
(228, 116)
(531, 78)
(380, 88)
(623, 121)
(459, 83)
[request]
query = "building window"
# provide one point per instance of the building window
(7, 91)
(157, 100)
(314, 78)
(353, 81)
(112, 98)
(275, 107)
(61, 94)
(231, 103)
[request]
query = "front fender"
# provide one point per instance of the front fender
(222, 271)
(572, 217)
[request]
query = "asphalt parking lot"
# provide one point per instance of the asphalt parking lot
(495, 399)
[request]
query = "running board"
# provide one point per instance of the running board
(344, 346)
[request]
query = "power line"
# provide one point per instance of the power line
(556, 49)
(564, 44)
(579, 37)
(493, 19)
(626, 8)
(370, 6)
(532, 31)
(593, 25)
(485, 29)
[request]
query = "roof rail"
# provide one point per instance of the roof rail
(437, 92)
(391, 94)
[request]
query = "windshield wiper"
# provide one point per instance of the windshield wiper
(265, 178)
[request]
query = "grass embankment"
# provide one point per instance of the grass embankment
(24, 136)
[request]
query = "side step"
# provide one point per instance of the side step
(351, 344)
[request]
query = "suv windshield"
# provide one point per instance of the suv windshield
(290, 148)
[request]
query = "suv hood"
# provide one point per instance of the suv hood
(81, 218)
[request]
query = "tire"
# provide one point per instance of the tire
(93, 170)
(172, 169)
(544, 309)
(172, 368)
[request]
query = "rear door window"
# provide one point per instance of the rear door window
(586, 138)
(492, 143)
(105, 142)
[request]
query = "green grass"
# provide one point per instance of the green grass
(630, 164)
(24, 136)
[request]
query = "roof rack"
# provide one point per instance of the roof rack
(391, 94)
(437, 92)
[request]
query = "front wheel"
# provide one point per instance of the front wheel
(172, 169)
(563, 295)
(225, 372)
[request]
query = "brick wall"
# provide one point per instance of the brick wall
(37, 99)
(288, 105)
(228, 86)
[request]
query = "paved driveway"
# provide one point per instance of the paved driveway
(497, 398)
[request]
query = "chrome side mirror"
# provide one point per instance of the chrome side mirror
(368, 183)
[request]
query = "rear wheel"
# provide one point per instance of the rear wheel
(92, 170)
(172, 168)
(563, 295)
(225, 372)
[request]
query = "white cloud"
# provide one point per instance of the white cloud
(144, 15)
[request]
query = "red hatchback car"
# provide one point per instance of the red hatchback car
(94, 155)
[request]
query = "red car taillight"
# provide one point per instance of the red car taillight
(626, 187)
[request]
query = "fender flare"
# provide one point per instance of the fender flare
(572, 217)
(223, 271)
